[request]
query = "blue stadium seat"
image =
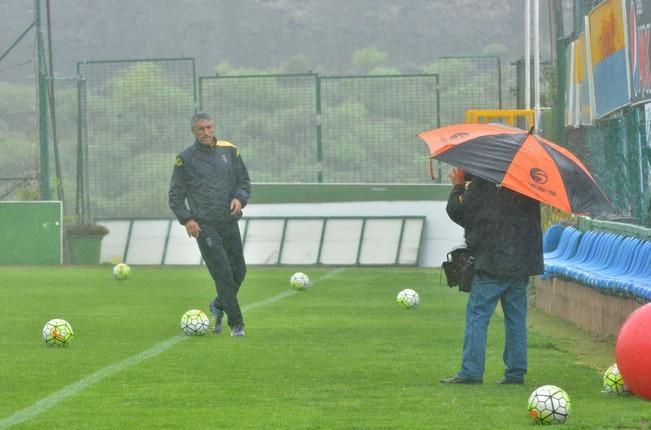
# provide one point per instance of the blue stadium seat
(567, 233)
(609, 262)
(591, 249)
(637, 282)
(638, 269)
(552, 236)
(621, 265)
(566, 249)
(604, 257)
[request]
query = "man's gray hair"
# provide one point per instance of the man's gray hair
(200, 116)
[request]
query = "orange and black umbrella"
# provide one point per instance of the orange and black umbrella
(521, 161)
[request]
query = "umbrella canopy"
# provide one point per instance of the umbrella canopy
(521, 161)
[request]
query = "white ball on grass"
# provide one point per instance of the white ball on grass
(408, 298)
(121, 271)
(57, 332)
(194, 322)
(299, 281)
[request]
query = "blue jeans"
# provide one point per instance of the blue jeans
(512, 294)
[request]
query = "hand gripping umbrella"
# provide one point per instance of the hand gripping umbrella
(521, 161)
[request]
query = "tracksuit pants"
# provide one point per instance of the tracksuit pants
(220, 244)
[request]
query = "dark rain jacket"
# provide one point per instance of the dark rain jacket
(502, 228)
(209, 177)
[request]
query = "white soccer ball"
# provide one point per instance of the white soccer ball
(57, 332)
(121, 271)
(549, 405)
(194, 322)
(613, 383)
(299, 280)
(408, 298)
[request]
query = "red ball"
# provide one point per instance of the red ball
(633, 351)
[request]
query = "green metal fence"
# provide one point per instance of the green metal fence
(618, 154)
(310, 128)
(290, 128)
(119, 125)
(271, 118)
(616, 148)
(468, 83)
(19, 163)
(369, 127)
(63, 135)
(136, 117)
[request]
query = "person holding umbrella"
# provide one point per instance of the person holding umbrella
(499, 208)
(503, 231)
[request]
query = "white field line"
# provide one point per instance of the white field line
(76, 387)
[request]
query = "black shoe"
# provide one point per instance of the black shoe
(456, 379)
(238, 330)
(507, 381)
(218, 317)
(218, 327)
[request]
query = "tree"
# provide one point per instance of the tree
(366, 59)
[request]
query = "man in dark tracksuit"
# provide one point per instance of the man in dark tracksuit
(503, 232)
(211, 175)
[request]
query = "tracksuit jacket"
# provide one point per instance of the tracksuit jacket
(209, 177)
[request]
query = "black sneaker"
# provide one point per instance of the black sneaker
(238, 330)
(456, 379)
(507, 381)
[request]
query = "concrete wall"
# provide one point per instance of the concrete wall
(440, 234)
(587, 308)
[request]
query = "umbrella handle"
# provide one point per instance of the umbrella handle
(431, 170)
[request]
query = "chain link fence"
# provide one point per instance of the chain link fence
(336, 129)
(19, 165)
(618, 154)
(468, 83)
(369, 127)
(136, 117)
(119, 125)
(270, 118)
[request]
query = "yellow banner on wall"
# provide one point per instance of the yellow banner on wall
(606, 30)
(609, 73)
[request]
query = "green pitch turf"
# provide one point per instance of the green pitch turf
(341, 355)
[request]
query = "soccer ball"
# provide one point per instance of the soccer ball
(408, 298)
(299, 280)
(194, 323)
(121, 271)
(57, 332)
(549, 405)
(613, 382)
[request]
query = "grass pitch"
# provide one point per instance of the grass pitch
(341, 355)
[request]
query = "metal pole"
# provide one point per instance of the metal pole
(499, 82)
(42, 106)
(552, 7)
(79, 200)
(438, 122)
(52, 105)
(638, 141)
(319, 137)
(527, 54)
(536, 63)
